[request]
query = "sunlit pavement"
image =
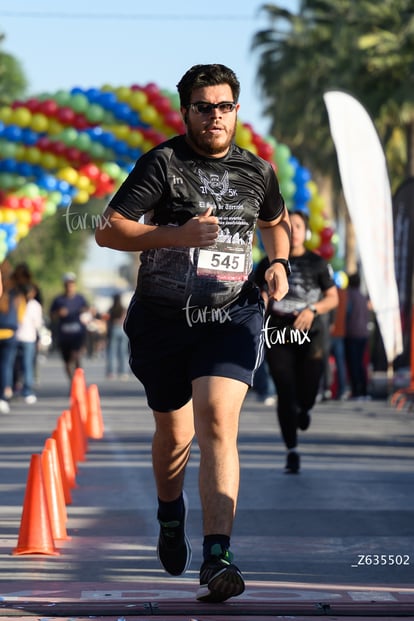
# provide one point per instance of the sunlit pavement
(334, 541)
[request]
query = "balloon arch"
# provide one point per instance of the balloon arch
(70, 146)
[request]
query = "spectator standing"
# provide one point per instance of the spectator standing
(27, 335)
(117, 344)
(356, 337)
(337, 333)
(12, 308)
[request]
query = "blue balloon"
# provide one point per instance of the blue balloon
(107, 100)
(24, 169)
(12, 132)
(29, 137)
(48, 182)
(77, 90)
(93, 94)
(8, 165)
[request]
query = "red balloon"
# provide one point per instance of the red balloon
(11, 201)
(48, 107)
(84, 158)
(36, 218)
(174, 120)
(25, 202)
(152, 91)
(66, 115)
(90, 170)
(266, 151)
(72, 153)
(326, 234)
(80, 122)
(162, 104)
(44, 143)
(327, 251)
(32, 104)
(57, 147)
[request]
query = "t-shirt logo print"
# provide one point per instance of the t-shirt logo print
(213, 184)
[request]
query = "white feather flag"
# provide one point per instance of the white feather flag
(367, 192)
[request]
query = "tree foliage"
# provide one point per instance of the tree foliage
(13, 82)
(363, 47)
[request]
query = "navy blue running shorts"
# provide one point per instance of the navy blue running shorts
(167, 353)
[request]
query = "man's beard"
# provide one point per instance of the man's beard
(209, 146)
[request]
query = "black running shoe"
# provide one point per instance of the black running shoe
(174, 549)
(219, 579)
(304, 419)
(292, 463)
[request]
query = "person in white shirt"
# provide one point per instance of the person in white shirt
(27, 337)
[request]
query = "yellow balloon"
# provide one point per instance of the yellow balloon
(123, 93)
(40, 123)
(314, 241)
(33, 155)
(135, 139)
(138, 100)
(55, 127)
(21, 117)
(149, 115)
(243, 137)
(48, 160)
(68, 174)
(20, 153)
(24, 216)
(9, 215)
(316, 221)
(5, 114)
(316, 203)
(22, 229)
(147, 145)
(312, 187)
(121, 131)
(81, 197)
(83, 182)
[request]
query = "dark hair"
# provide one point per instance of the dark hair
(200, 76)
(302, 214)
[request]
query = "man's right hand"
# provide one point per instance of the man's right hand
(200, 231)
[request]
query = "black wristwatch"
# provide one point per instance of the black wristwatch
(285, 263)
(313, 308)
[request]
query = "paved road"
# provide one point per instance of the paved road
(338, 534)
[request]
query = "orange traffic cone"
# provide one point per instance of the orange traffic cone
(55, 501)
(51, 445)
(94, 424)
(35, 535)
(77, 434)
(78, 391)
(65, 454)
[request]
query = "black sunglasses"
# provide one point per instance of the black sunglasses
(201, 107)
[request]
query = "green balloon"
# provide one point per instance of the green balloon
(8, 149)
(62, 98)
(97, 151)
(94, 113)
(69, 136)
(79, 103)
(83, 142)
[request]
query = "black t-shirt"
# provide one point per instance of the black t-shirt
(311, 276)
(171, 184)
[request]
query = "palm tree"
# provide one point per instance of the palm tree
(360, 46)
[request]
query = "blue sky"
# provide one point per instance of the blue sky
(89, 44)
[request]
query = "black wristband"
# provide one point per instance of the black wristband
(285, 263)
